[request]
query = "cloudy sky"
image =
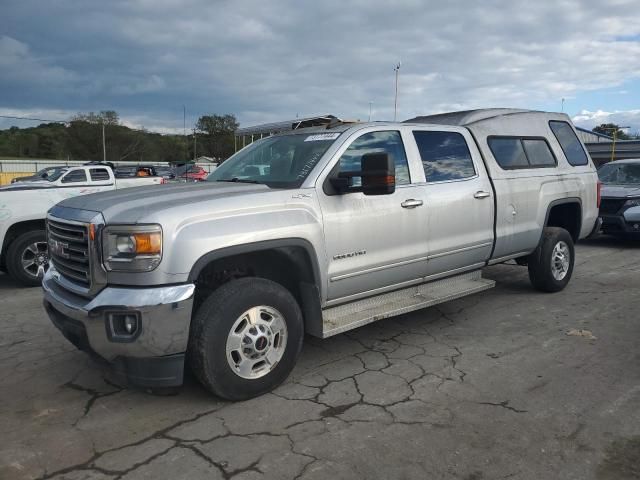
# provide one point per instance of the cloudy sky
(275, 60)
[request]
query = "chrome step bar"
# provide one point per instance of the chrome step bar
(361, 312)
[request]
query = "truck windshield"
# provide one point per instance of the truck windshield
(280, 162)
(620, 174)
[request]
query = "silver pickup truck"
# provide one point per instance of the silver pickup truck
(316, 231)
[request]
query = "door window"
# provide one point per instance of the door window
(75, 176)
(445, 155)
(99, 174)
(389, 142)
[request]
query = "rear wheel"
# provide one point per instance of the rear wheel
(245, 338)
(551, 264)
(27, 258)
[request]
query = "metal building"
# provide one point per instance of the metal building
(587, 136)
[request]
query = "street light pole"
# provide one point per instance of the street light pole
(370, 103)
(395, 103)
(104, 145)
(562, 106)
(613, 144)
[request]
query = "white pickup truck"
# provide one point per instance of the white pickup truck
(23, 209)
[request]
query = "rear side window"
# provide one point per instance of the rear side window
(515, 152)
(569, 142)
(508, 152)
(75, 176)
(445, 155)
(99, 174)
(538, 153)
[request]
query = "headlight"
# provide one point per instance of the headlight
(632, 203)
(132, 248)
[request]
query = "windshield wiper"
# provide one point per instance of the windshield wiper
(237, 180)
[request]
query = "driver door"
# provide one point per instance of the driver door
(373, 242)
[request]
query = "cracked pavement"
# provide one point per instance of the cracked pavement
(484, 387)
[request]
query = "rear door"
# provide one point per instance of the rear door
(459, 199)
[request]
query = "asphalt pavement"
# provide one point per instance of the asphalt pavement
(506, 384)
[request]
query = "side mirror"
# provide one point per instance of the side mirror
(378, 174)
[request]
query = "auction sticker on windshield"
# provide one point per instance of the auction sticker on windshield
(322, 136)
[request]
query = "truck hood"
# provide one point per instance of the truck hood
(28, 185)
(130, 205)
(620, 191)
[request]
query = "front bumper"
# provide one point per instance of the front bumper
(154, 357)
(621, 224)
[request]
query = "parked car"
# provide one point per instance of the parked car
(136, 171)
(191, 173)
(44, 174)
(165, 171)
(348, 225)
(23, 208)
(620, 206)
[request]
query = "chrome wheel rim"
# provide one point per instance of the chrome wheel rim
(560, 259)
(256, 342)
(35, 259)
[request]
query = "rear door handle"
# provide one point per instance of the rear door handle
(411, 203)
(481, 194)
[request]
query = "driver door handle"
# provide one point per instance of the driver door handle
(481, 194)
(411, 203)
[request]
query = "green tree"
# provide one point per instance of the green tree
(108, 117)
(610, 129)
(216, 135)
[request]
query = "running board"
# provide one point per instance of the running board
(355, 314)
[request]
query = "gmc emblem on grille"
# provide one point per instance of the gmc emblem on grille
(57, 248)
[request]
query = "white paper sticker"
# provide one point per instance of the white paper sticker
(321, 137)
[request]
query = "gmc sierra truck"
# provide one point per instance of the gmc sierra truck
(314, 231)
(23, 210)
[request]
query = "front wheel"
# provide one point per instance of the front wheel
(27, 258)
(551, 264)
(245, 338)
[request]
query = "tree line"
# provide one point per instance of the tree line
(82, 139)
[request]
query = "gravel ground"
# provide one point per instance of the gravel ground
(509, 383)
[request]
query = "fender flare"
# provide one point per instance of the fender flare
(562, 201)
(224, 252)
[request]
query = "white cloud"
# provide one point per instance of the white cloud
(268, 61)
(629, 118)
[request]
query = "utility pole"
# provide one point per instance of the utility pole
(194, 144)
(613, 144)
(104, 145)
(184, 133)
(370, 103)
(395, 103)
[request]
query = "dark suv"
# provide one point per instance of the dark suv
(620, 205)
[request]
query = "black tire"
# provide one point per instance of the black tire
(213, 322)
(15, 254)
(541, 272)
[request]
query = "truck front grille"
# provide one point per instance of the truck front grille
(610, 206)
(69, 250)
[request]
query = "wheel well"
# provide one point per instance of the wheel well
(567, 216)
(291, 267)
(14, 231)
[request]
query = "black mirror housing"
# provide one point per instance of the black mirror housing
(378, 173)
